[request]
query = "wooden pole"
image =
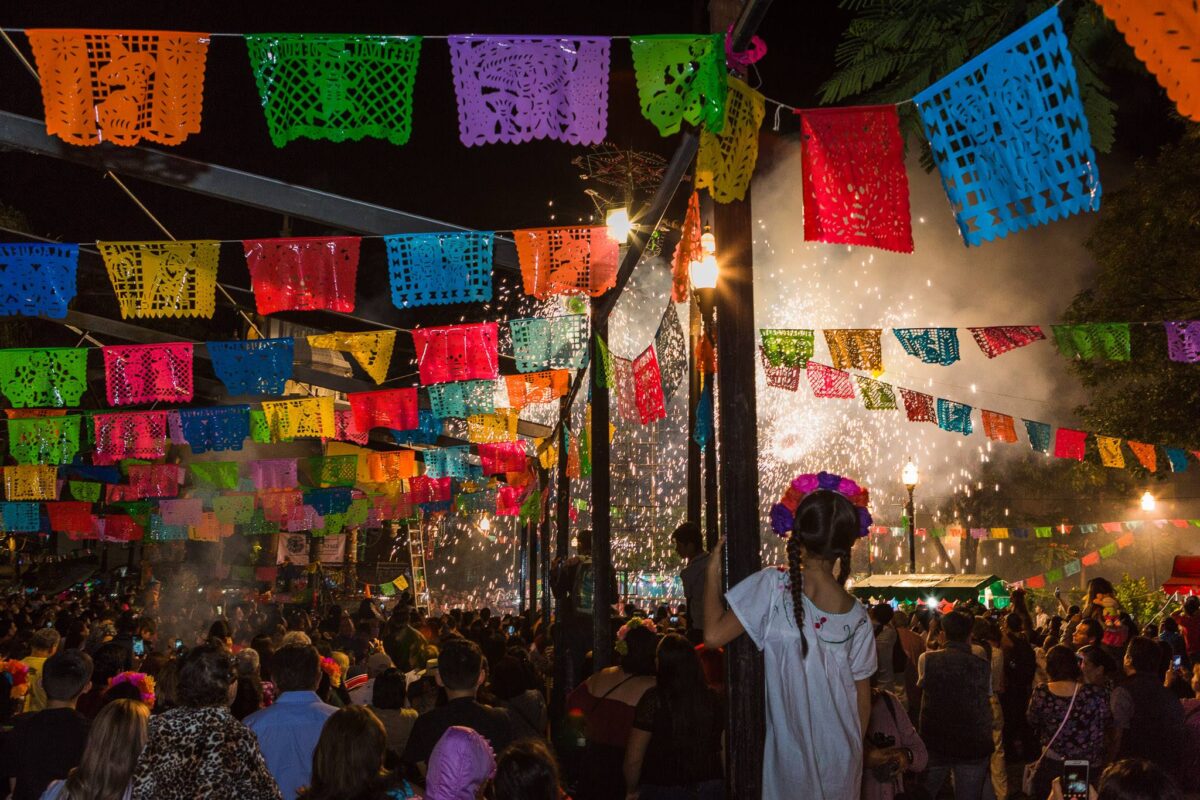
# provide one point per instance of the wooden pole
(738, 441)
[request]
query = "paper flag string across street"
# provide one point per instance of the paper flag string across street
(1107, 341)
(1178, 459)
(1164, 35)
(37, 378)
(782, 376)
(303, 273)
(456, 353)
(37, 279)
(133, 434)
(670, 347)
(501, 457)
(147, 373)
(337, 87)
(388, 408)
(1009, 134)
(854, 182)
(1109, 448)
(1183, 341)
(556, 261)
(461, 399)
(549, 343)
(995, 341)
(828, 382)
(536, 387)
(1039, 435)
(31, 482)
(121, 86)
(688, 250)
(1145, 455)
(1070, 443)
(999, 427)
(876, 395)
(726, 160)
(309, 417)
(371, 349)
(626, 391)
(427, 269)
(217, 474)
(855, 348)
(681, 79)
(155, 480)
(498, 427)
(44, 440)
(253, 366)
(163, 279)
(787, 348)
(216, 428)
(20, 517)
(931, 345)
(954, 417)
(517, 89)
(918, 407)
(648, 390)
(274, 473)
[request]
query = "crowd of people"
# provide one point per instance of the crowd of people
(112, 697)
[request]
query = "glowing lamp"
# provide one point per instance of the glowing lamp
(704, 272)
(1148, 502)
(619, 224)
(909, 476)
(708, 242)
(485, 524)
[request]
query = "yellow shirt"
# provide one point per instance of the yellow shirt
(35, 700)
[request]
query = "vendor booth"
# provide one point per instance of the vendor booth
(908, 588)
(1185, 576)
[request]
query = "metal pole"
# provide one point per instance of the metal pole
(544, 542)
(704, 301)
(522, 572)
(602, 567)
(562, 546)
(912, 534)
(694, 454)
(531, 536)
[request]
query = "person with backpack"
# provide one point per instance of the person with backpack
(893, 748)
(888, 652)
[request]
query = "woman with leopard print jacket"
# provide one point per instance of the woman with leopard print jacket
(199, 751)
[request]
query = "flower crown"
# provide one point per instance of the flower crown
(331, 668)
(783, 513)
(140, 680)
(18, 671)
(623, 631)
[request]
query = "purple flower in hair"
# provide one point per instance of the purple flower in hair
(847, 487)
(828, 481)
(864, 521)
(781, 519)
(805, 483)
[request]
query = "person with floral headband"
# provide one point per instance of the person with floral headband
(818, 643)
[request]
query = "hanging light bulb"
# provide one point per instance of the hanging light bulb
(708, 242)
(485, 524)
(619, 224)
(704, 272)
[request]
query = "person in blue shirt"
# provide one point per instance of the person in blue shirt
(288, 730)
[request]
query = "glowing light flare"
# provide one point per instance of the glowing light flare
(619, 225)
(1148, 502)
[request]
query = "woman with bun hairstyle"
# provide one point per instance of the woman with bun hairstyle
(818, 644)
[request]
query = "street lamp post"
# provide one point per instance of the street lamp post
(1148, 505)
(911, 478)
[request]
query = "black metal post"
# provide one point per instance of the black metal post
(912, 534)
(562, 547)
(704, 303)
(602, 566)
(544, 542)
(694, 454)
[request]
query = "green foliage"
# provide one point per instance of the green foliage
(893, 49)
(1145, 244)
(1135, 597)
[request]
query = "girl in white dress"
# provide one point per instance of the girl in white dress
(819, 647)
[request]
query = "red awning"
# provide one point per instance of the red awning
(1185, 576)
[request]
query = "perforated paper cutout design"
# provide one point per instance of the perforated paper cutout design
(341, 470)
(253, 366)
(781, 376)
(31, 482)
(1039, 435)
(336, 87)
(555, 261)
(1178, 459)
(274, 473)
(787, 348)
(995, 341)
(53, 377)
(536, 387)
(681, 79)
(429, 490)
(726, 161)
(670, 346)
(604, 368)
(154, 480)
(1146, 454)
(626, 390)
(163, 279)
(1070, 443)
(216, 428)
(428, 429)
(20, 517)
(70, 517)
(918, 407)
(260, 429)
(1107, 341)
(121, 86)
(329, 501)
(345, 430)
(147, 373)
(309, 417)
(43, 440)
(954, 417)
(449, 462)
(132, 434)
(37, 279)
(457, 352)
(387, 408)
(647, 385)
(498, 427)
(688, 250)
(87, 491)
(390, 467)
(828, 382)
(500, 457)
(1183, 341)
(1165, 35)
(462, 398)
(854, 182)
(234, 509)
(1110, 452)
(549, 343)
(217, 474)
(371, 349)
(931, 345)
(516, 90)
(427, 269)
(855, 348)
(876, 395)
(999, 427)
(304, 273)
(1010, 137)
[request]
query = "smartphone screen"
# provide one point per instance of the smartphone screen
(179, 645)
(1075, 780)
(1177, 662)
(139, 646)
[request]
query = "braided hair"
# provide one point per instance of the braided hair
(826, 526)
